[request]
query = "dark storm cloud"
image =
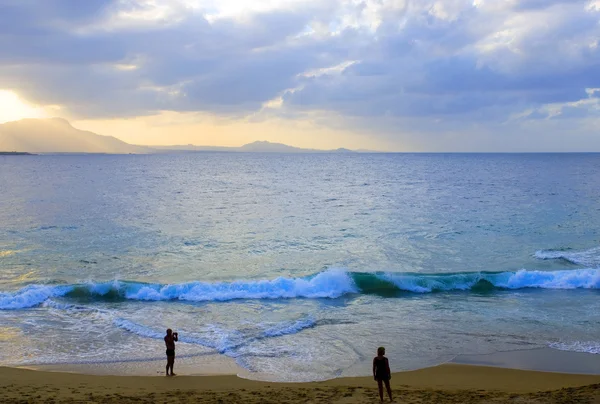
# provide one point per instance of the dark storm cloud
(413, 60)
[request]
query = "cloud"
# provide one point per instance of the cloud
(452, 63)
(227, 66)
(417, 67)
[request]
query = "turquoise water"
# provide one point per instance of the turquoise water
(298, 266)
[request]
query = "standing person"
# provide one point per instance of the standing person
(382, 373)
(170, 340)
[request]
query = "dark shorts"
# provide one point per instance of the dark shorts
(170, 352)
(383, 377)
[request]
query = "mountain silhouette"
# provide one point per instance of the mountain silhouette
(56, 135)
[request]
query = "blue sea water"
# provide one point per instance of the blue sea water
(298, 266)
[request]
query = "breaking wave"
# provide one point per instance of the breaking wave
(327, 284)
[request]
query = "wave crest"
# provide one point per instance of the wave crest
(328, 284)
(31, 295)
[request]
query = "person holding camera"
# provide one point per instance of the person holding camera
(170, 340)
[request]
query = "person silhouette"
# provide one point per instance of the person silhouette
(170, 340)
(382, 373)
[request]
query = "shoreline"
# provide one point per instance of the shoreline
(447, 383)
(193, 365)
(218, 379)
(489, 378)
(547, 360)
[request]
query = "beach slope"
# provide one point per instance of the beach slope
(449, 383)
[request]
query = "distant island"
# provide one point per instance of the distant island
(254, 147)
(15, 153)
(58, 136)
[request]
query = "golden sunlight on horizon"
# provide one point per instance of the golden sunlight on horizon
(174, 128)
(169, 128)
(13, 108)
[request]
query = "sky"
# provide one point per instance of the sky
(389, 75)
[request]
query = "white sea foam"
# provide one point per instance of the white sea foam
(138, 329)
(290, 327)
(31, 295)
(223, 341)
(219, 340)
(51, 304)
(592, 347)
(590, 258)
(570, 279)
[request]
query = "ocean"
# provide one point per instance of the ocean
(297, 266)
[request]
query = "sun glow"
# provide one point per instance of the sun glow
(13, 108)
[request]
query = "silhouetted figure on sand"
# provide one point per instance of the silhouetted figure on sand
(382, 373)
(170, 340)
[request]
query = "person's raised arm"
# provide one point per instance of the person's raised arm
(176, 336)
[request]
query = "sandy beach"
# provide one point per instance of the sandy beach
(448, 383)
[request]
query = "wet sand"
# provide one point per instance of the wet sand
(542, 359)
(448, 383)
